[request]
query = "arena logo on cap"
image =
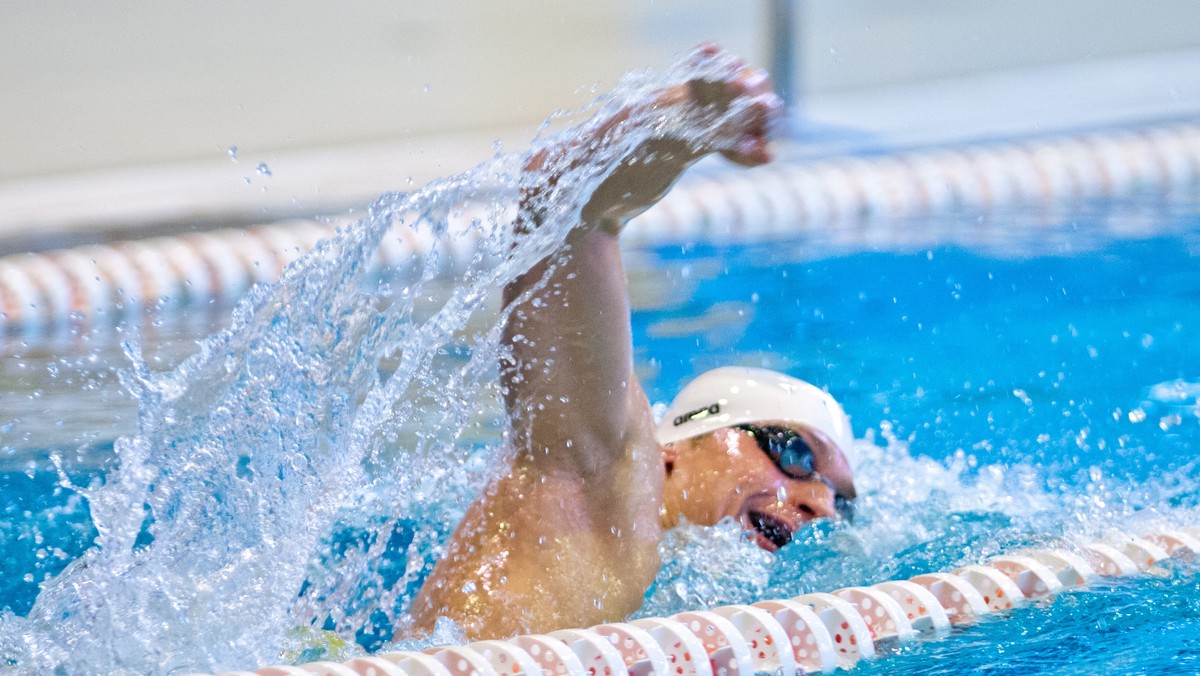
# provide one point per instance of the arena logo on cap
(698, 414)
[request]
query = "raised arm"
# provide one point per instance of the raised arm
(570, 536)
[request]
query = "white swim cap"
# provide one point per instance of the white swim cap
(732, 395)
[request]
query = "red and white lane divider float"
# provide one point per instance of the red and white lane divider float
(812, 633)
(59, 294)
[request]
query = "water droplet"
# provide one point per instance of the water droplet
(263, 169)
(426, 88)
(1167, 422)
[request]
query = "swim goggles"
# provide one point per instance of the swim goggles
(785, 447)
(793, 456)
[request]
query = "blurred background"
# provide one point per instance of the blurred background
(125, 116)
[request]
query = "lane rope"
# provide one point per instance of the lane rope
(811, 633)
(46, 296)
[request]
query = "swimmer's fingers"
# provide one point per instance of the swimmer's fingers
(748, 144)
(752, 109)
(742, 81)
(742, 96)
(719, 93)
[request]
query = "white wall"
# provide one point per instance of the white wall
(851, 44)
(95, 85)
(118, 115)
(90, 85)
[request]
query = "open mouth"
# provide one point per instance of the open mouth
(774, 530)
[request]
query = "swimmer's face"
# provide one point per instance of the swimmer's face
(772, 477)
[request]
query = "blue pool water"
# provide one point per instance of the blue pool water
(1031, 389)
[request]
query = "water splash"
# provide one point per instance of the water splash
(692, 577)
(327, 391)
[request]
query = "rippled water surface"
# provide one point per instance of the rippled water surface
(1043, 392)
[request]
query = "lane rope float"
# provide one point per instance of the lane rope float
(56, 294)
(812, 633)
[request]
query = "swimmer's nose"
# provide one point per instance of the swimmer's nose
(815, 499)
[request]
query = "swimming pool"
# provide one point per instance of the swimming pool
(1031, 389)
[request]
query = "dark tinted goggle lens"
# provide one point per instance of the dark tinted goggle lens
(785, 447)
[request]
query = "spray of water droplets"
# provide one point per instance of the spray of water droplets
(328, 393)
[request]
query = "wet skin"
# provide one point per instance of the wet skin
(726, 474)
(578, 518)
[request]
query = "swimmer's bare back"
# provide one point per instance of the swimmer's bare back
(569, 537)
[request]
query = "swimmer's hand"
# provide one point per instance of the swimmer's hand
(744, 138)
(737, 105)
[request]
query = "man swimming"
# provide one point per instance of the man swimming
(569, 537)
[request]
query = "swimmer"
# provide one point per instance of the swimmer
(569, 537)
